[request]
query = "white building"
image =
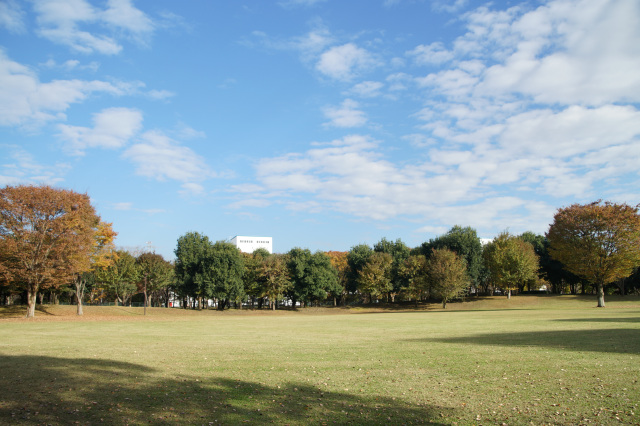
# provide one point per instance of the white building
(251, 244)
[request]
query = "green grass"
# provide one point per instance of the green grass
(540, 360)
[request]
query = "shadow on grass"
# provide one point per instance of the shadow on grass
(618, 340)
(20, 311)
(49, 390)
(630, 319)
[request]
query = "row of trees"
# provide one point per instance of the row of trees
(53, 238)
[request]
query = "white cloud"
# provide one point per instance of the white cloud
(159, 157)
(346, 115)
(61, 20)
(367, 89)
(434, 53)
(20, 166)
(123, 206)
(112, 128)
(26, 100)
(12, 17)
(345, 62)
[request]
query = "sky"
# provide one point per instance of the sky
(322, 123)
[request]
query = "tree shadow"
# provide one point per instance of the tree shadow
(619, 340)
(630, 319)
(51, 390)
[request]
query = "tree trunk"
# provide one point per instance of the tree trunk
(444, 303)
(32, 293)
(80, 286)
(509, 294)
(600, 295)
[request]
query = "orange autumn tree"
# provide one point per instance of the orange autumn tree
(88, 262)
(599, 242)
(339, 262)
(45, 235)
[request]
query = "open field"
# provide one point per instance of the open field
(540, 360)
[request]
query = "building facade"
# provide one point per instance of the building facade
(251, 244)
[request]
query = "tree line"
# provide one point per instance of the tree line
(53, 240)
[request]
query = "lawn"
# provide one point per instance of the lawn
(540, 360)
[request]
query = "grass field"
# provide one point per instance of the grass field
(530, 360)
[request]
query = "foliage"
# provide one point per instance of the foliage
(223, 270)
(339, 262)
(399, 253)
(465, 242)
(511, 262)
(46, 236)
(155, 274)
(312, 275)
(375, 277)
(253, 283)
(122, 276)
(413, 272)
(447, 274)
(99, 258)
(356, 259)
(274, 276)
(599, 242)
(191, 251)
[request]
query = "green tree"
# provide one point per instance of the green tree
(253, 284)
(339, 263)
(599, 242)
(99, 257)
(312, 275)
(413, 272)
(356, 259)
(121, 276)
(274, 275)
(191, 251)
(447, 274)
(155, 274)
(399, 253)
(511, 262)
(46, 236)
(375, 276)
(224, 268)
(465, 242)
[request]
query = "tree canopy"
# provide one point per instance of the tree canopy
(599, 242)
(46, 236)
(511, 262)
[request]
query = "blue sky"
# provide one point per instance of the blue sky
(322, 123)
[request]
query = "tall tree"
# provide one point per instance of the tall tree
(46, 235)
(375, 276)
(99, 258)
(447, 274)
(599, 242)
(465, 242)
(511, 262)
(274, 275)
(191, 250)
(223, 269)
(340, 264)
(121, 276)
(155, 274)
(312, 275)
(253, 285)
(399, 252)
(356, 259)
(413, 272)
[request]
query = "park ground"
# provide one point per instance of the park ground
(528, 360)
